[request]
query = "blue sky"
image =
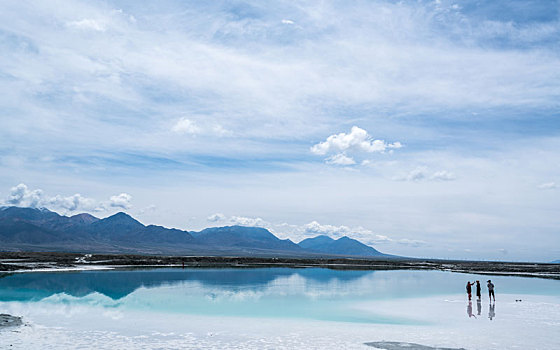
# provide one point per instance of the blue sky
(427, 128)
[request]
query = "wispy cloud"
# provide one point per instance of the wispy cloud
(421, 173)
(214, 97)
(86, 23)
(547, 186)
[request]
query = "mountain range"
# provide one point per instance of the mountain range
(32, 229)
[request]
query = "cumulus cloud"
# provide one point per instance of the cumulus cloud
(366, 236)
(357, 140)
(239, 220)
(547, 186)
(298, 233)
(340, 159)
(22, 196)
(121, 201)
(72, 203)
(287, 21)
(316, 228)
(248, 221)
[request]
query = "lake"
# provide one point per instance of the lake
(274, 308)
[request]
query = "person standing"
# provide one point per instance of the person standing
(478, 290)
(469, 289)
(478, 296)
(491, 290)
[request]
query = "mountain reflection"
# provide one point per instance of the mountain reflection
(117, 284)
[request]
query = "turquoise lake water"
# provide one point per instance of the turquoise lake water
(311, 293)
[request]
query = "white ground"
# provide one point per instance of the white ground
(533, 323)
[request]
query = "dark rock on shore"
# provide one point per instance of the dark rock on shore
(9, 321)
(394, 345)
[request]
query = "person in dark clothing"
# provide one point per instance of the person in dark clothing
(478, 290)
(469, 289)
(491, 290)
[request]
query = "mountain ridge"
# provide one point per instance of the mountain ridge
(31, 229)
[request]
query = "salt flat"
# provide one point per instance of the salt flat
(530, 324)
(274, 309)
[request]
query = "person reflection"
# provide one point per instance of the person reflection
(478, 307)
(491, 311)
(469, 310)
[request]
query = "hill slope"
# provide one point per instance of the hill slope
(342, 246)
(31, 229)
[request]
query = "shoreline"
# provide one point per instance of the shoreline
(18, 262)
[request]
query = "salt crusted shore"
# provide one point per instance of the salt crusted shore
(47, 261)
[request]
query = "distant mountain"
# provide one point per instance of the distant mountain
(118, 227)
(342, 246)
(83, 219)
(244, 237)
(318, 243)
(30, 229)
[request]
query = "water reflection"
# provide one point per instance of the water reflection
(117, 284)
(469, 310)
(491, 311)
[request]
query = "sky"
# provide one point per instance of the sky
(422, 128)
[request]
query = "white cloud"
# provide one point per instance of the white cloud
(22, 196)
(121, 201)
(216, 217)
(87, 24)
(248, 221)
(219, 130)
(315, 228)
(72, 203)
(357, 140)
(188, 126)
(149, 209)
(340, 159)
(547, 186)
(299, 232)
(443, 175)
(362, 234)
(421, 173)
(185, 126)
(417, 174)
(287, 21)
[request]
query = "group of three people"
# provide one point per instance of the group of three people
(490, 286)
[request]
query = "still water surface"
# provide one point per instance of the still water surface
(312, 293)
